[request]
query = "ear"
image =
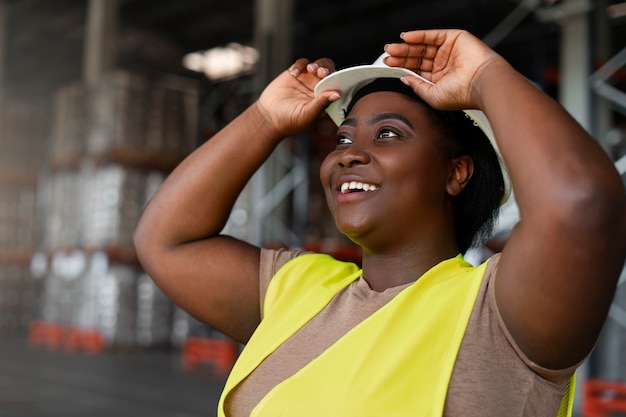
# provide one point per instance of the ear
(461, 171)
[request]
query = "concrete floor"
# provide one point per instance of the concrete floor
(42, 383)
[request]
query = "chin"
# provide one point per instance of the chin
(354, 232)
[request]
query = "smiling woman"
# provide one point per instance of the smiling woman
(405, 164)
(416, 177)
(459, 141)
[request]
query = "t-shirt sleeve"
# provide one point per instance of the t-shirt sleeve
(555, 375)
(271, 261)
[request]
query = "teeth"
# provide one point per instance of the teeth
(354, 185)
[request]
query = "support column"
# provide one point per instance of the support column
(4, 10)
(575, 62)
(273, 39)
(100, 40)
(603, 48)
(575, 55)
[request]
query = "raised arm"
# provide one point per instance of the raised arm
(559, 268)
(214, 277)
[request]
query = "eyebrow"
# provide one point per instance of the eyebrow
(380, 117)
(383, 116)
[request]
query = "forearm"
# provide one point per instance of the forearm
(195, 200)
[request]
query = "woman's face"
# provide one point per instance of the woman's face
(385, 182)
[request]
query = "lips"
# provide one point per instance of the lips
(357, 186)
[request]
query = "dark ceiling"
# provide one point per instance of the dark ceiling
(45, 37)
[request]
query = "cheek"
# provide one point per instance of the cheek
(401, 166)
(416, 175)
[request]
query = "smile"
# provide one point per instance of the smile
(354, 186)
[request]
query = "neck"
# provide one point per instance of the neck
(383, 271)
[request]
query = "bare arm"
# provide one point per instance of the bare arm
(214, 277)
(559, 268)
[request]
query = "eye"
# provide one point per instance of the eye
(387, 133)
(343, 140)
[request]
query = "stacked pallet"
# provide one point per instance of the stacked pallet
(112, 145)
(22, 145)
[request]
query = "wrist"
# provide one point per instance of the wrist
(262, 125)
(496, 74)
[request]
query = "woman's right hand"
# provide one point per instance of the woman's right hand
(288, 102)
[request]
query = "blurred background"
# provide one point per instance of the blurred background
(100, 99)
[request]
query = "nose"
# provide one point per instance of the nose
(353, 155)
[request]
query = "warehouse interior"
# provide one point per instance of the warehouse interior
(100, 99)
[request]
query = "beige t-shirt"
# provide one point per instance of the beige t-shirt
(491, 377)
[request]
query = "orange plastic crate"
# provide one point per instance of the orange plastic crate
(218, 353)
(604, 398)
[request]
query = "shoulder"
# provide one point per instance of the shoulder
(310, 269)
(285, 271)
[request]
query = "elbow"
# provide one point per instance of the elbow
(144, 242)
(140, 241)
(594, 205)
(606, 199)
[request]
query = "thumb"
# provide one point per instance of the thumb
(421, 86)
(326, 98)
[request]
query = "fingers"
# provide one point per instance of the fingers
(421, 47)
(419, 44)
(419, 58)
(320, 68)
(433, 37)
(411, 50)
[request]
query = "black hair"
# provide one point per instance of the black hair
(476, 208)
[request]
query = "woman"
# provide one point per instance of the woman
(405, 335)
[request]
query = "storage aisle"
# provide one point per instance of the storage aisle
(42, 383)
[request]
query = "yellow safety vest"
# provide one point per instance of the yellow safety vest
(397, 362)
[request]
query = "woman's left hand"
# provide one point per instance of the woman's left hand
(453, 60)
